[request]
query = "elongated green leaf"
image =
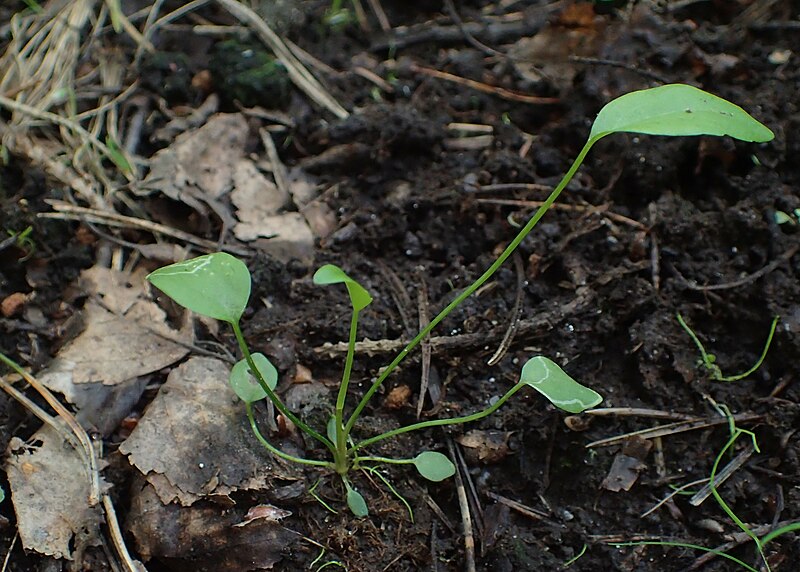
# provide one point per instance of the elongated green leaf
(677, 109)
(547, 378)
(434, 466)
(357, 504)
(246, 386)
(215, 285)
(331, 274)
(330, 429)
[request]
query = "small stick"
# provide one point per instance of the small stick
(437, 510)
(377, 9)
(672, 494)
(603, 209)
(400, 296)
(723, 475)
(672, 429)
(466, 519)
(73, 212)
(279, 172)
(372, 77)
(485, 87)
(471, 40)
(519, 507)
(117, 540)
(86, 445)
(640, 412)
(424, 320)
(508, 338)
(692, 285)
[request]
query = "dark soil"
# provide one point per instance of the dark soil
(693, 212)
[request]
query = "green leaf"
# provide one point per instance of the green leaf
(434, 466)
(246, 386)
(357, 504)
(118, 156)
(547, 378)
(215, 285)
(331, 429)
(677, 109)
(331, 274)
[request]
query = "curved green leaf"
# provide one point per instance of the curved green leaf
(357, 504)
(332, 274)
(434, 466)
(244, 383)
(215, 285)
(677, 109)
(561, 390)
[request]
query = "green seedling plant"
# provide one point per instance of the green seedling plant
(709, 360)
(218, 286)
(760, 542)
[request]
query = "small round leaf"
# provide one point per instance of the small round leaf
(215, 285)
(547, 378)
(331, 274)
(434, 466)
(244, 383)
(357, 504)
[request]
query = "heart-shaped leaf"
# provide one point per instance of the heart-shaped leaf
(357, 504)
(332, 274)
(244, 383)
(677, 109)
(215, 285)
(434, 466)
(547, 378)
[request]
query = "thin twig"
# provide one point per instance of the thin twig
(672, 494)
(521, 508)
(451, 11)
(602, 209)
(117, 540)
(640, 412)
(508, 338)
(86, 445)
(424, 319)
(692, 285)
(377, 9)
(485, 87)
(723, 475)
(542, 321)
(672, 429)
(466, 518)
(73, 212)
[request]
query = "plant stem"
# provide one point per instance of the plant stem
(437, 422)
(271, 394)
(386, 460)
(475, 285)
(274, 450)
(341, 434)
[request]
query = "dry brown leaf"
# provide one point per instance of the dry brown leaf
(197, 169)
(194, 439)
(125, 338)
(253, 194)
(203, 537)
(485, 446)
(50, 489)
(627, 465)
